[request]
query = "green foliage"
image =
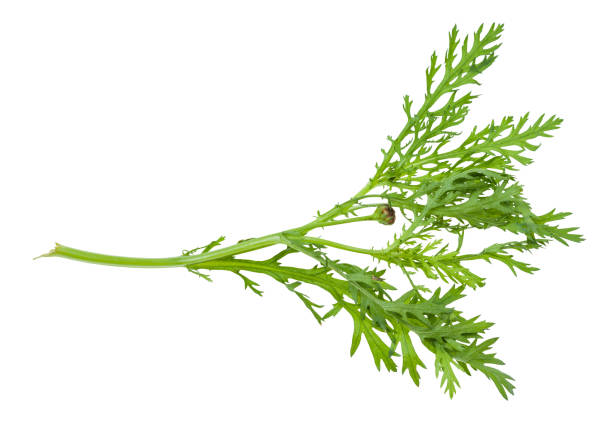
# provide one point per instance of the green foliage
(439, 182)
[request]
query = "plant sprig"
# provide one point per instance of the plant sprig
(438, 181)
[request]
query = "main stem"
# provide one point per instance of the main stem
(323, 220)
(175, 261)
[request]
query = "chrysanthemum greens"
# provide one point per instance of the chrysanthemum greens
(437, 180)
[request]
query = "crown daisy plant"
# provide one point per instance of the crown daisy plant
(438, 181)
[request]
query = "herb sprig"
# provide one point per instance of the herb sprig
(438, 181)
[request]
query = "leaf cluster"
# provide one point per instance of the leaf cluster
(442, 183)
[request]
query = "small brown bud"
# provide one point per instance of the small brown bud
(385, 214)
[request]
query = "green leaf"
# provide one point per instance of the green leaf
(250, 284)
(204, 249)
(448, 379)
(380, 351)
(410, 360)
(356, 339)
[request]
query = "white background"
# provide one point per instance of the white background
(142, 128)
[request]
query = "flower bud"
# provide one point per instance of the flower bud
(385, 214)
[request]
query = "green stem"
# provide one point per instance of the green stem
(310, 226)
(325, 242)
(189, 260)
(176, 261)
(344, 207)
